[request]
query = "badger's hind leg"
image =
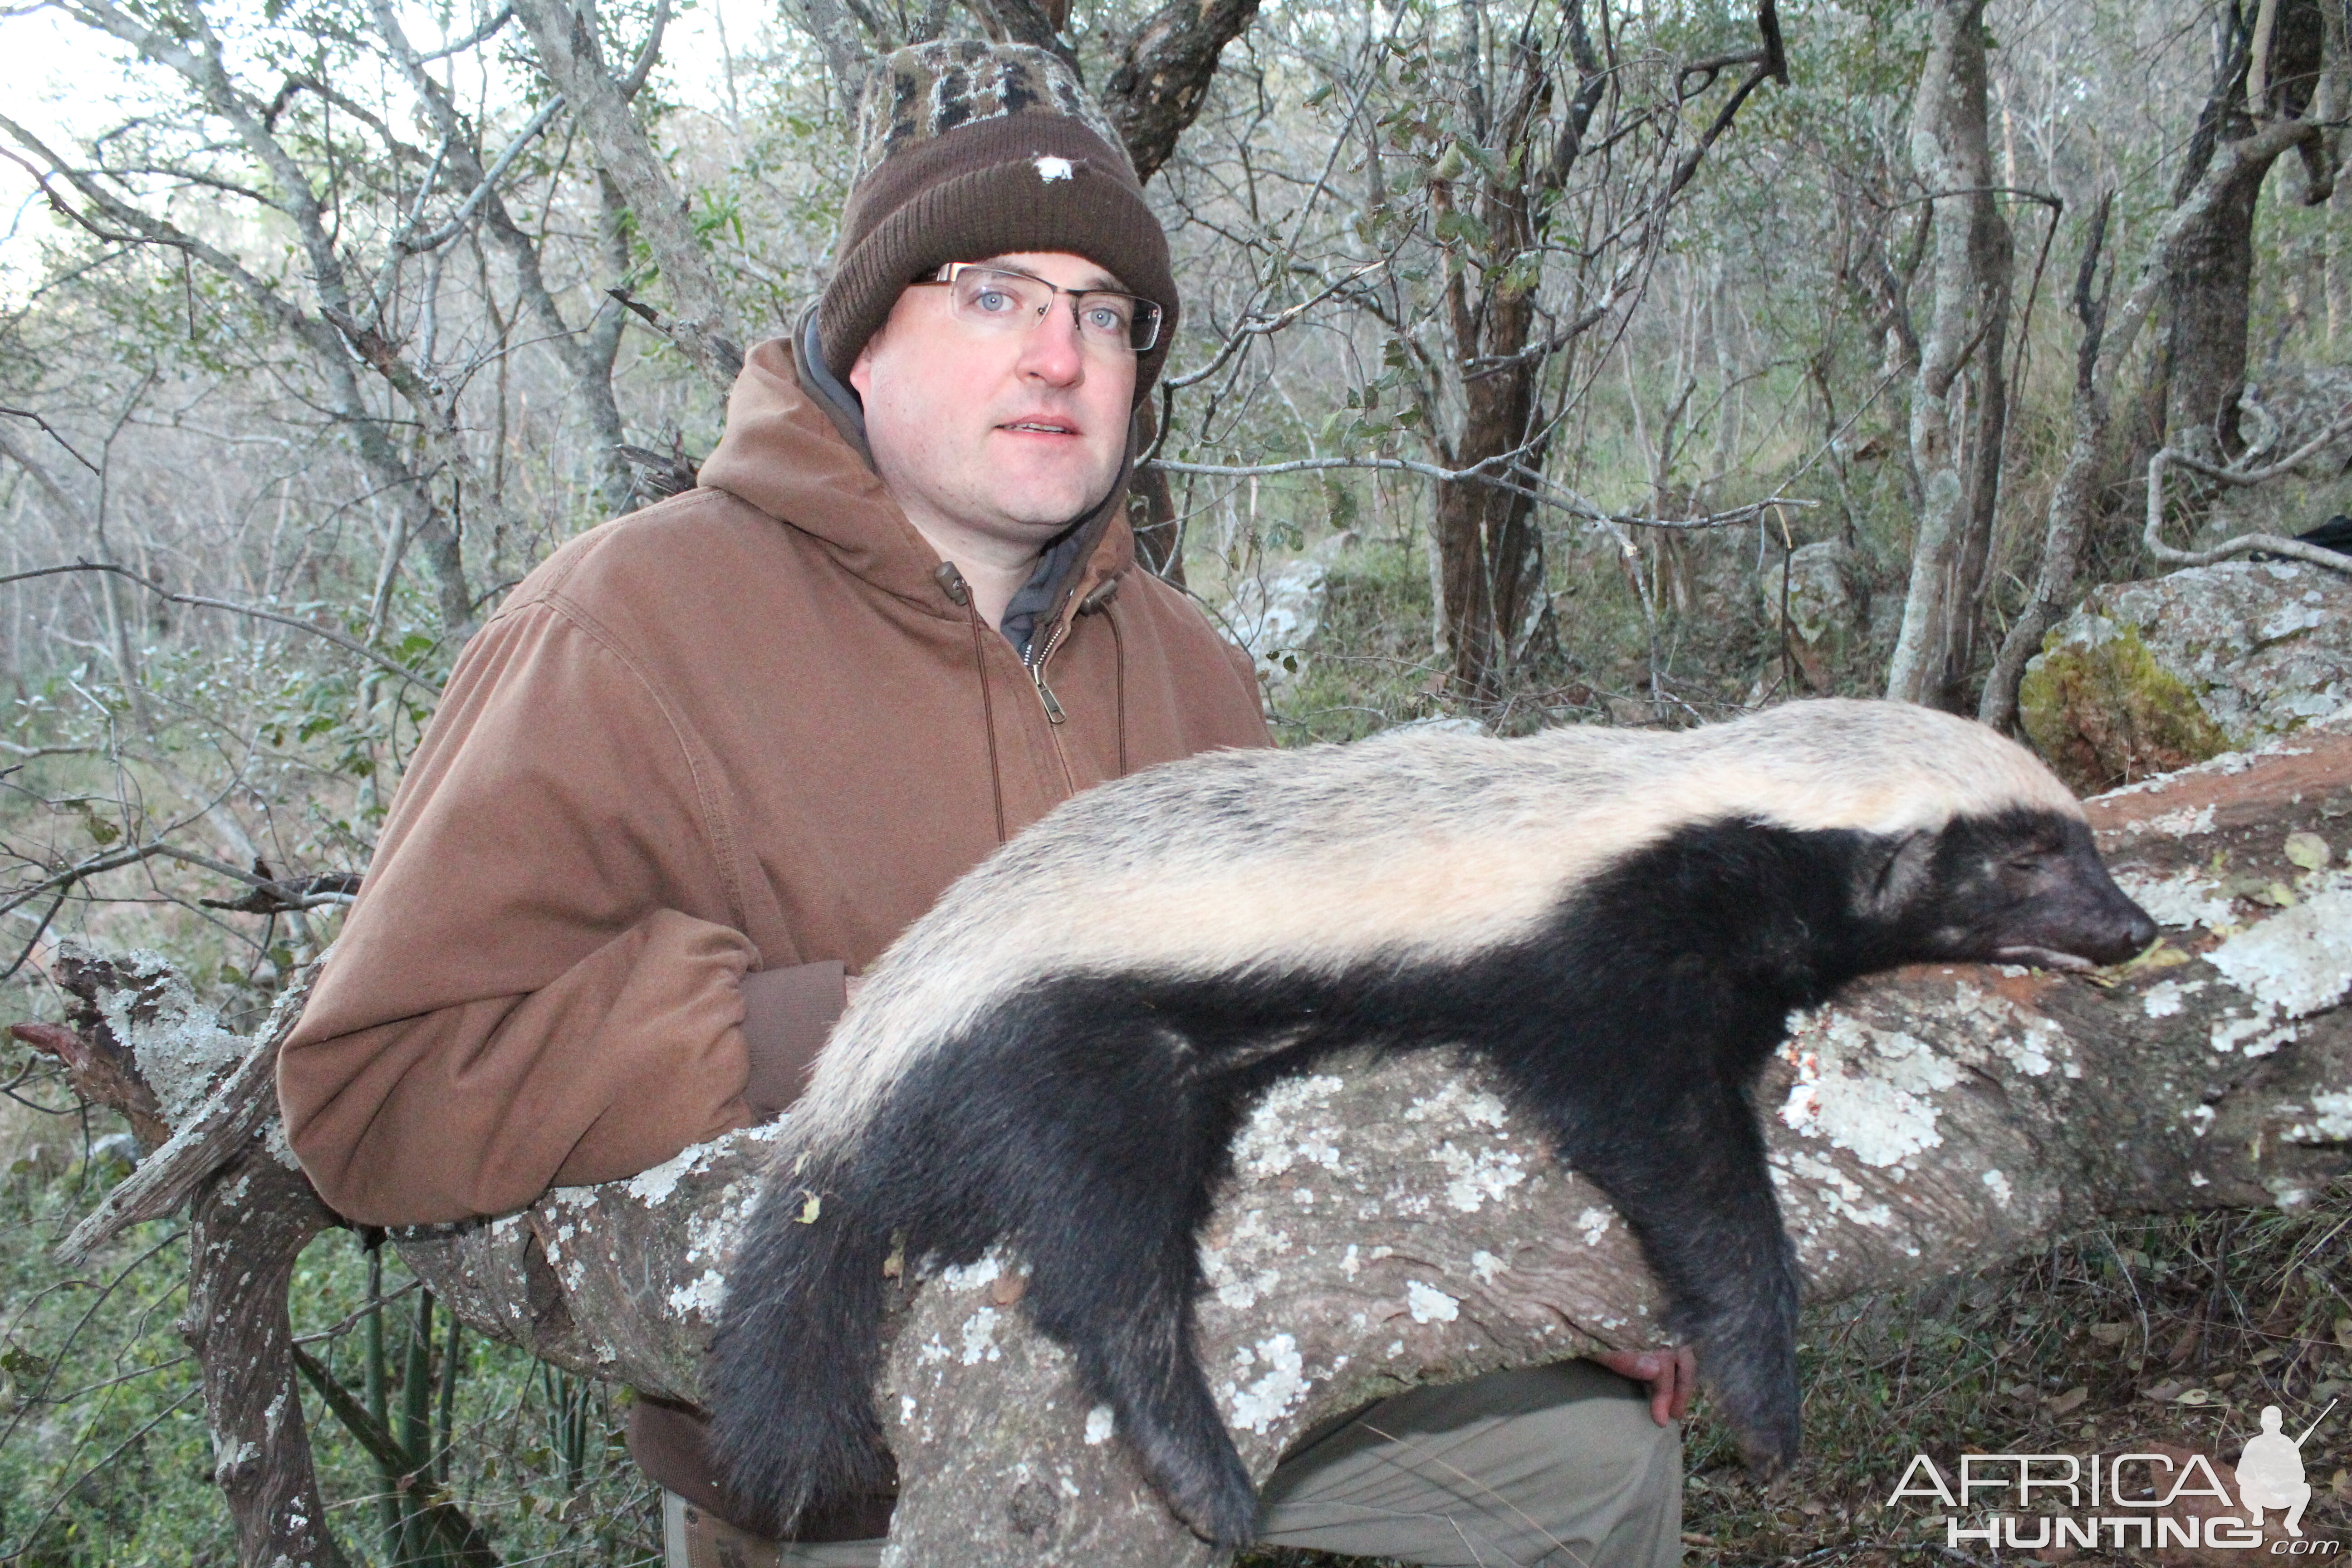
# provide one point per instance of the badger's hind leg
(1128, 1138)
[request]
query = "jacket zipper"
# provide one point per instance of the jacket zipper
(1054, 714)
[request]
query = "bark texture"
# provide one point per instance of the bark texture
(1395, 1224)
(251, 1222)
(1955, 449)
(1156, 90)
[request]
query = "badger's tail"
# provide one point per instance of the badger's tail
(799, 1347)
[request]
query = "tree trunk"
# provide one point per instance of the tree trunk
(1162, 80)
(1959, 472)
(1392, 1223)
(2073, 500)
(249, 1224)
(2270, 77)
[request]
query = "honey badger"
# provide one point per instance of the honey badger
(1056, 1057)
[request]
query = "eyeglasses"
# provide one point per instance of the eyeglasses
(993, 299)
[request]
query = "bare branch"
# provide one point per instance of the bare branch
(2152, 535)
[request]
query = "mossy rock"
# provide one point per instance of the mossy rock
(2155, 674)
(2103, 711)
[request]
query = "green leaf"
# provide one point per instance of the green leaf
(23, 1365)
(2308, 850)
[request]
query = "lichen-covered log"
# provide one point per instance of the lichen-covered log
(1390, 1223)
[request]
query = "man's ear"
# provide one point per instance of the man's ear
(1892, 872)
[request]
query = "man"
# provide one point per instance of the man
(709, 758)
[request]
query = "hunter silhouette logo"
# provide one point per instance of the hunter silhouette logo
(2270, 1472)
(2126, 1501)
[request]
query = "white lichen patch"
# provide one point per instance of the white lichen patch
(2299, 962)
(184, 1052)
(1594, 1223)
(1428, 1304)
(2010, 1036)
(1832, 1189)
(975, 1275)
(1473, 1177)
(1100, 1423)
(1241, 1270)
(274, 1143)
(2331, 1120)
(2181, 900)
(1289, 1126)
(979, 1338)
(1485, 1266)
(2235, 1025)
(1864, 1090)
(1472, 1105)
(2166, 997)
(1998, 1185)
(700, 1297)
(2186, 823)
(1260, 1403)
(653, 1187)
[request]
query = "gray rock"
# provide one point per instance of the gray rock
(2155, 675)
(1828, 607)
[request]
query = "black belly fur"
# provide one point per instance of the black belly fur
(1087, 1121)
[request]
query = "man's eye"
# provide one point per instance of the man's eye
(995, 301)
(1103, 316)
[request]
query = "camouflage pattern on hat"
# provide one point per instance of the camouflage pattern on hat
(929, 89)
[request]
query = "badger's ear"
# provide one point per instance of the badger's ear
(1891, 872)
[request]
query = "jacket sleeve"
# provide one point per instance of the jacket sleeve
(540, 983)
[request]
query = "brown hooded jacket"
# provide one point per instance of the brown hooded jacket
(754, 727)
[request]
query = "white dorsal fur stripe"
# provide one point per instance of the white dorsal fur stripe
(1424, 848)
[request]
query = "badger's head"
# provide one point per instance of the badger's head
(2023, 885)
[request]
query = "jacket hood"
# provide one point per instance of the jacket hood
(800, 457)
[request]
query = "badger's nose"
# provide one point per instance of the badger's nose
(2126, 937)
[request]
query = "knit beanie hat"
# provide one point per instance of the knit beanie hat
(969, 150)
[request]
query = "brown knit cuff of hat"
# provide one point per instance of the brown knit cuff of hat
(987, 189)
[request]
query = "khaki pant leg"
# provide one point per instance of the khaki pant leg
(1549, 1466)
(694, 1539)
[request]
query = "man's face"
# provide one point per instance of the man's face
(1002, 438)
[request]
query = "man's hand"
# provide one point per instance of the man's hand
(1671, 1374)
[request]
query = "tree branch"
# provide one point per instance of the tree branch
(574, 59)
(202, 601)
